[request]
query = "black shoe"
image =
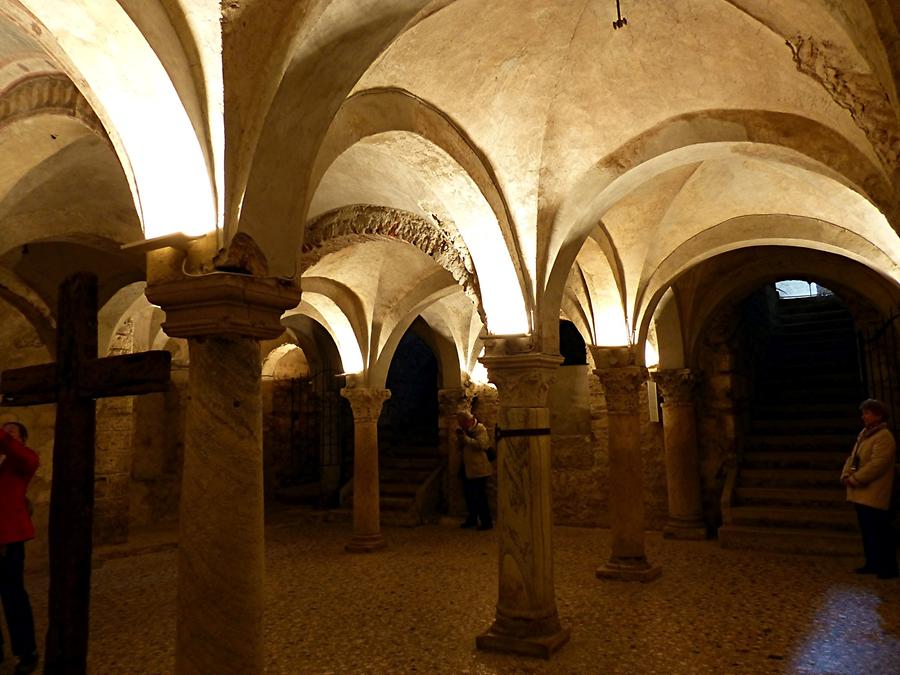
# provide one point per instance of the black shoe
(482, 528)
(27, 664)
(468, 524)
(864, 570)
(888, 575)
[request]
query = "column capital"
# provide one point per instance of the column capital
(622, 388)
(366, 402)
(677, 386)
(223, 304)
(523, 378)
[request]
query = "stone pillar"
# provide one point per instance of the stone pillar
(221, 553)
(526, 621)
(682, 462)
(366, 403)
(451, 402)
(114, 442)
(112, 482)
(622, 379)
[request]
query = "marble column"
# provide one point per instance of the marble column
(221, 553)
(450, 403)
(682, 463)
(366, 403)
(526, 621)
(622, 380)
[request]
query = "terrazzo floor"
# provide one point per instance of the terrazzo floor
(417, 606)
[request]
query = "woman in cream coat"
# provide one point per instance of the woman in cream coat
(868, 476)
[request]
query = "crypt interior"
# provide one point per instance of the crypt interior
(662, 254)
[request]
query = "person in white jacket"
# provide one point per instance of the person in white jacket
(474, 442)
(868, 475)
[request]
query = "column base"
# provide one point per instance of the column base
(365, 543)
(629, 569)
(537, 646)
(694, 530)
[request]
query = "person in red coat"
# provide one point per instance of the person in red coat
(18, 464)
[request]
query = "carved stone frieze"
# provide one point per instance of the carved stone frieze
(42, 94)
(677, 386)
(861, 93)
(623, 388)
(336, 229)
(366, 402)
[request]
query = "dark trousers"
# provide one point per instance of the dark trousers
(16, 605)
(475, 490)
(878, 539)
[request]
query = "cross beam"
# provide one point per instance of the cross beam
(73, 382)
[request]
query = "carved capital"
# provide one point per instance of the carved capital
(677, 386)
(223, 304)
(623, 388)
(366, 402)
(522, 377)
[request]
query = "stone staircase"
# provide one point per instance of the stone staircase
(785, 495)
(410, 487)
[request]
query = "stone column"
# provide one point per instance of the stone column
(221, 553)
(622, 379)
(366, 403)
(526, 621)
(451, 402)
(114, 442)
(682, 463)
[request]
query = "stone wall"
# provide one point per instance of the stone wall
(158, 451)
(580, 453)
(114, 448)
(732, 349)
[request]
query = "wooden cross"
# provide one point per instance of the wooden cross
(73, 382)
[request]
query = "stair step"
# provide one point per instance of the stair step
(798, 518)
(782, 477)
(812, 442)
(765, 410)
(760, 496)
(793, 427)
(789, 540)
(407, 490)
(796, 459)
(391, 475)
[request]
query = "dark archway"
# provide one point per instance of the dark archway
(409, 420)
(571, 345)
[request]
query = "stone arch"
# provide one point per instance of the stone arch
(740, 271)
(48, 95)
(32, 306)
(148, 126)
(669, 332)
(370, 113)
(286, 361)
(352, 224)
(768, 230)
(444, 349)
(321, 49)
(783, 138)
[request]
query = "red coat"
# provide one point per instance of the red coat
(17, 466)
